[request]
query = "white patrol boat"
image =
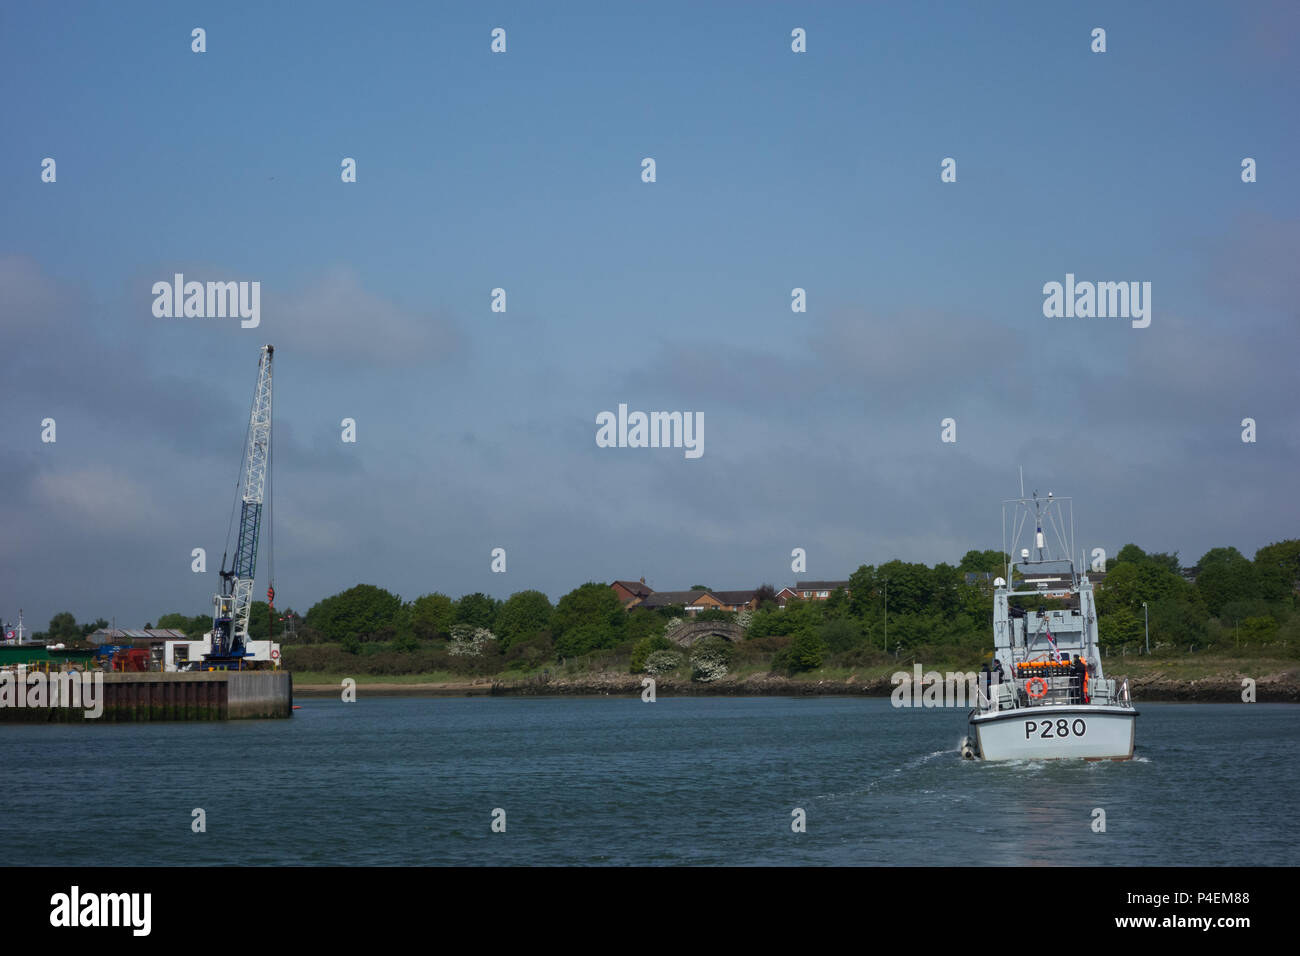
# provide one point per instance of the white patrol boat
(1047, 696)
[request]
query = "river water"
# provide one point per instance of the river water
(402, 781)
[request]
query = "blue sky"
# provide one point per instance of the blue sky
(775, 170)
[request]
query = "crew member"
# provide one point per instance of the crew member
(1079, 672)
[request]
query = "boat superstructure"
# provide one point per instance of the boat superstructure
(1047, 696)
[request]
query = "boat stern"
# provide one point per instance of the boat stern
(1055, 732)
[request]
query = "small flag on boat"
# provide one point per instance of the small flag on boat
(1052, 641)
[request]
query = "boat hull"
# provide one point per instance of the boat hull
(1054, 732)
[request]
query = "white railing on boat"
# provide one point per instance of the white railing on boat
(1012, 695)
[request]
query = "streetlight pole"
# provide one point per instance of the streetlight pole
(1146, 626)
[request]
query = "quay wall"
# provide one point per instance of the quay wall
(259, 694)
(204, 695)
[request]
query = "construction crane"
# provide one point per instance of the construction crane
(229, 643)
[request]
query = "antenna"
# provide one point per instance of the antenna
(1022, 481)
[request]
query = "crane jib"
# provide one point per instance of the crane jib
(230, 621)
(250, 520)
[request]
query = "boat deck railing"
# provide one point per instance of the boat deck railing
(1055, 690)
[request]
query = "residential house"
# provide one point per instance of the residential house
(736, 600)
(785, 594)
(700, 600)
(693, 601)
(818, 590)
(631, 593)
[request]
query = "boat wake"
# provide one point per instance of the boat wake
(914, 764)
(919, 761)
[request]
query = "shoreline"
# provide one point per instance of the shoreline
(1273, 688)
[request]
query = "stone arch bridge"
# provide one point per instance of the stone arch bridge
(688, 633)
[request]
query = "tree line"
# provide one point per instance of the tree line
(1227, 602)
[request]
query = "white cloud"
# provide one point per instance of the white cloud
(95, 498)
(337, 318)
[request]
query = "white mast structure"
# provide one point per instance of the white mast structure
(13, 635)
(233, 604)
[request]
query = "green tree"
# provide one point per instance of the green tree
(1225, 576)
(63, 628)
(1129, 553)
(765, 623)
(1119, 627)
(359, 612)
(713, 614)
(805, 653)
(1277, 569)
(643, 623)
(587, 618)
(405, 643)
(841, 634)
(1178, 621)
(643, 648)
(523, 614)
(258, 623)
(432, 615)
(864, 595)
(992, 562)
(1236, 611)
(974, 601)
(1164, 560)
(909, 588)
(477, 610)
(945, 582)
(837, 604)
(1130, 583)
(800, 618)
(1258, 630)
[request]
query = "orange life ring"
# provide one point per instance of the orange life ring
(1040, 682)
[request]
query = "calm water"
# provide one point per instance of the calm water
(614, 781)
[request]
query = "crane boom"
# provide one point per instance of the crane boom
(233, 604)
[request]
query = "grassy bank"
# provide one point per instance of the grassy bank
(1199, 678)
